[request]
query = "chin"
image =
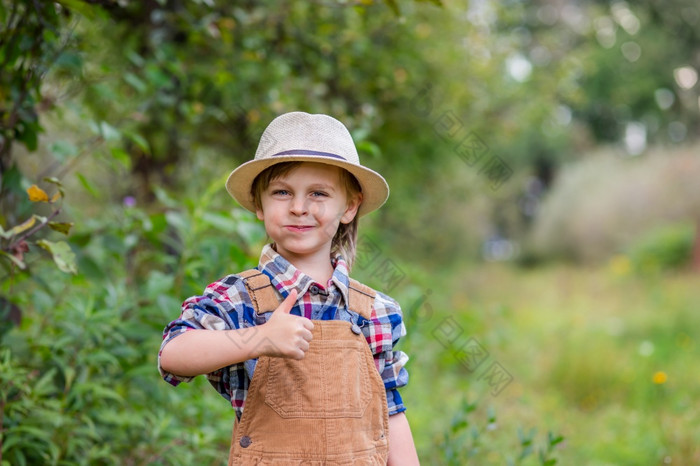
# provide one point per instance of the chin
(300, 249)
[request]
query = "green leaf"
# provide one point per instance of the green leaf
(28, 134)
(394, 7)
(70, 60)
(369, 148)
(141, 142)
(121, 156)
(86, 184)
(135, 82)
(53, 180)
(159, 283)
(176, 220)
(59, 185)
(23, 431)
(69, 374)
(157, 78)
(63, 149)
(85, 9)
(61, 227)
(14, 260)
(45, 385)
(62, 254)
(101, 392)
(109, 132)
(527, 451)
(553, 440)
(135, 58)
(219, 221)
(491, 412)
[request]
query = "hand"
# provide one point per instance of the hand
(287, 335)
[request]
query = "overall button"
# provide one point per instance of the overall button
(245, 441)
(356, 329)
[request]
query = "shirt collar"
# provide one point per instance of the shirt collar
(285, 277)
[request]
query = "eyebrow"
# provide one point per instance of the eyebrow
(312, 187)
(326, 187)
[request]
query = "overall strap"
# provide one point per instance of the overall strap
(261, 291)
(360, 297)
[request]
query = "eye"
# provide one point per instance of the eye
(280, 192)
(319, 194)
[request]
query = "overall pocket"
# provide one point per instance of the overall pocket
(332, 381)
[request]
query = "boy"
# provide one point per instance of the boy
(312, 379)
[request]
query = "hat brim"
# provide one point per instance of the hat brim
(375, 190)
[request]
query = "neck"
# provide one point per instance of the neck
(317, 266)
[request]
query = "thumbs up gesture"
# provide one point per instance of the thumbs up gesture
(287, 335)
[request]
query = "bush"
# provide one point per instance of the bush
(78, 378)
(665, 248)
(466, 443)
(605, 203)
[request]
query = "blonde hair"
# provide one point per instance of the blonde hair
(345, 239)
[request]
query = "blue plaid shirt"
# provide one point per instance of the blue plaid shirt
(226, 305)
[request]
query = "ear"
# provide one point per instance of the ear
(259, 214)
(352, 208)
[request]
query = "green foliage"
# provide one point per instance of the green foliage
(141, 108)
(600, 359)
(666, 248)
(29, 43)
(79, 380)
(464, 443)
(14, 243)
(79, 389)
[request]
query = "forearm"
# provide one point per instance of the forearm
(402, 451)
(196, 352)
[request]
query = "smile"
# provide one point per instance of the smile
(299, 228)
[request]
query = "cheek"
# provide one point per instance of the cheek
(324, 211)
(272, 218)
(269, 214)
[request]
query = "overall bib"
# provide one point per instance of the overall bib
(329, 408)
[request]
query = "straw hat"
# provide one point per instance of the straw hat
(299, 136)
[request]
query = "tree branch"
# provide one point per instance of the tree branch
(31, 231)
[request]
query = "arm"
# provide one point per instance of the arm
(203, 351)
(198, 351)
(391, 362)
(402, 451)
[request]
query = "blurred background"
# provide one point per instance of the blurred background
(542, 233)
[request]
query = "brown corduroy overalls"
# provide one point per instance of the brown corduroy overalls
(328, 408)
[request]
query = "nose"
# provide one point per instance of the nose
(298, 206)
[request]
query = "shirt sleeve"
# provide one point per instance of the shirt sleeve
(388, 322)
(224, 305)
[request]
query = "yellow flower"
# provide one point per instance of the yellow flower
(660, 377)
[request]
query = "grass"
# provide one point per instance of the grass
(600, 356)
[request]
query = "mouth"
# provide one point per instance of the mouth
(299, 228)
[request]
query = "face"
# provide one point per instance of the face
(303, 208)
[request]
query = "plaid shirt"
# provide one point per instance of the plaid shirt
(226, 305)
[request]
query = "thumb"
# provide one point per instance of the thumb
(286, 306)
